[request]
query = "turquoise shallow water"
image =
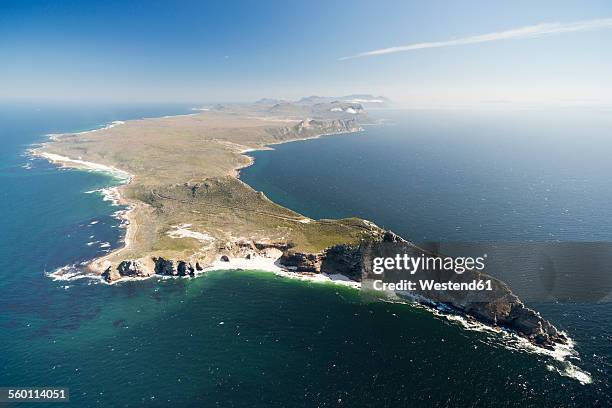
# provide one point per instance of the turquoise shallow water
(234, 338)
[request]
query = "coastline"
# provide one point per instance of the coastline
(67, 162)
(125, 216)
(268, 146)
(94, 268)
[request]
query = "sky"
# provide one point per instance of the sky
(418, 53)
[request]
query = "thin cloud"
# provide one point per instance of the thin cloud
(534, 31)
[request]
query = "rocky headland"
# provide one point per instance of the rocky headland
(188, 210)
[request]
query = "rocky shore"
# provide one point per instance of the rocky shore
(189, 212)
(501, 309)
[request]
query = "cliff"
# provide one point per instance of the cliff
(308, 128)
(188, 210)
(499, 307)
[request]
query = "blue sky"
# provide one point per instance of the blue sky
(184, 51)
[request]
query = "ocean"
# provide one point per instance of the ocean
(249, 338)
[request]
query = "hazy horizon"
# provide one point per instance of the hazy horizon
(420, 55)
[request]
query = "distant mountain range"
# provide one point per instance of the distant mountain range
(366, 100)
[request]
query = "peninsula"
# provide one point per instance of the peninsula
(188, 209)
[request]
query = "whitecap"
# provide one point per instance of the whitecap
(561, 353)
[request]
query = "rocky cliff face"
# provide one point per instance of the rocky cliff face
(501, 307)
(129, 268)
(161, 266)
(301, 262)
(315, 127)
(166, 267)
(326, 126)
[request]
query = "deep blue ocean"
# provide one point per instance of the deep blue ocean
(455, 176)
(249, 338)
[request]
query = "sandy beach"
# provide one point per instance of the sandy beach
(136, 208)
(64, 161)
